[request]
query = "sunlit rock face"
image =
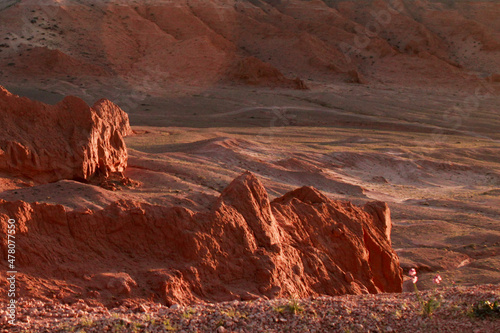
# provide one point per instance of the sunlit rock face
(69, 140)
(301, 244)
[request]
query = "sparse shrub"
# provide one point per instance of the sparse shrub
(232, 313)
(429, 306)
(292, 307)
(166, 325)
(86, 322)
(484, 309)
(279, 309)
(188, 313)
(136, 327)
(220, 322)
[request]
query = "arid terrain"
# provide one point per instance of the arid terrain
(375, 100)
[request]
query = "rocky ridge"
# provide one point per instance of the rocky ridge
(246, 247)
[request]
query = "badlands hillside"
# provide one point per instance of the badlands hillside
(144, 45)
(160, 157)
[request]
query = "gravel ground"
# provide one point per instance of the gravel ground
(364, 313)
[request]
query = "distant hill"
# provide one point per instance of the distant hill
(204, 42)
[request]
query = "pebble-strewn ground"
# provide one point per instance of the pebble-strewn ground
(365, 313)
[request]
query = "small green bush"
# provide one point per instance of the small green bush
(484, 309)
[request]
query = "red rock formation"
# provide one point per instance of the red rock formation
(298, 245)
(253, 71)
(69, 140)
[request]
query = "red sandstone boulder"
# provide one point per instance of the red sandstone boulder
(298, 245)
(69, 140)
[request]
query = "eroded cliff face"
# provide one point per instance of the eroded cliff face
(298, 245)
(69, 140)
(205, 42)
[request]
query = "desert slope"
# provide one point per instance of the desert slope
(201, 42)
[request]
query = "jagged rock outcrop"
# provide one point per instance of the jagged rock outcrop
(69, 140)
(298, 245)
